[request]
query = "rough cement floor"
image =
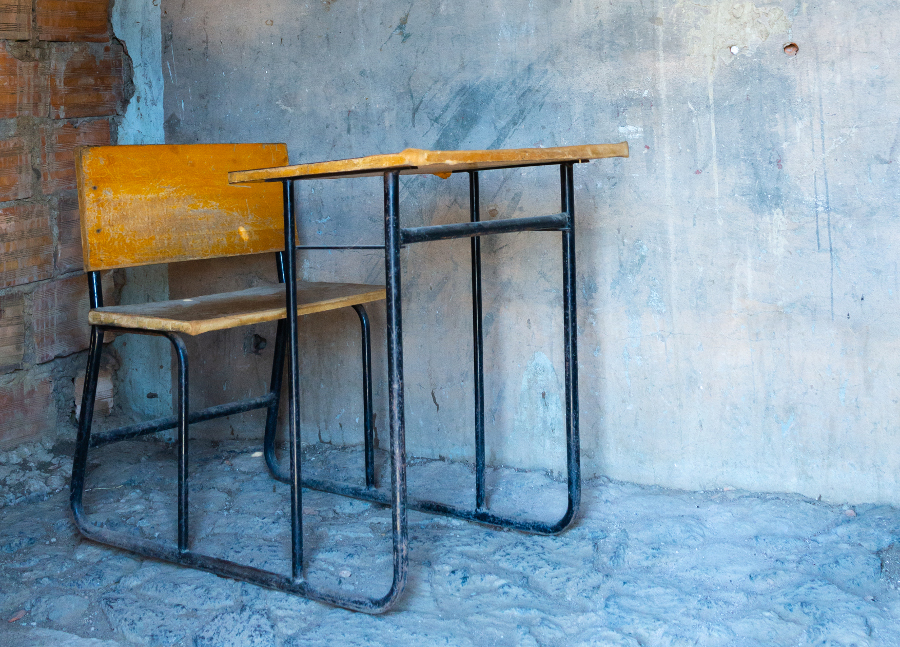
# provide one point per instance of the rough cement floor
(643, 566)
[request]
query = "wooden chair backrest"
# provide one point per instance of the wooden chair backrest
(162, 203)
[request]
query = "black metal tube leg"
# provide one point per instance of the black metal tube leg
(275, 466)
(275, 382)
(183, 410)
(570, 325)
(368, 427)
(395, 381)
(275, 390)
(477, 342)
(290, 271)
(83, 440)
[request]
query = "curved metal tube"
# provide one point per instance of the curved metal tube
(181, 554)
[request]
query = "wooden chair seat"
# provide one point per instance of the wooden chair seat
(228, 310)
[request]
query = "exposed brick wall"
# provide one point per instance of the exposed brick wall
(86, 81)
(26, 244)
(73, 20)
(24, 90)
(59, 310)
(59, 315)
(58, 144)
(68, 223)
(15, 169)
(63, 84)
(34, 389)
(12, 332)
(15, 19)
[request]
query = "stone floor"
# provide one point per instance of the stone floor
(643, 566)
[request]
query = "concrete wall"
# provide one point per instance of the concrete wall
(737, 281)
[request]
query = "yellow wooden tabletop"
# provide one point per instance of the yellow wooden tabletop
(417, 161)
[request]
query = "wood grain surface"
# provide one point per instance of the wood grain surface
(442, 163)
(156, 204)
(231, 309)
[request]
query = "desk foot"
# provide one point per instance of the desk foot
(481, 516)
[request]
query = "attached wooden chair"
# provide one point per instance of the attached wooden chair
(143, 205)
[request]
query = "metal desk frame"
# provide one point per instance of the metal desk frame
(395, 237)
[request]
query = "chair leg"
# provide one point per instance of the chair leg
(275, 391)
(183, 526)
(182, 554)
(272, 461)
(368, 427)
(83, 440)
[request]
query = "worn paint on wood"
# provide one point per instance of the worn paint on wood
(157, 204)
(232, 309)
(414, 161)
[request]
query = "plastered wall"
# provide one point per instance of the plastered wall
(143, 386)
(737, 276)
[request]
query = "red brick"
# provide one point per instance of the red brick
(73, 20)
(27, 408)
(59, 316)
(23, 89)
(86, 81)
(26, 244)
(12, 331)
(15, 170)
(68, 222)
(15, 19)
(58, 145)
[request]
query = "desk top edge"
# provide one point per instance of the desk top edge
(418, 161)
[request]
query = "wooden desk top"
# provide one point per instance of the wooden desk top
(442, 163)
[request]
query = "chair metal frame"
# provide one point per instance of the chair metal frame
(181, 553)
